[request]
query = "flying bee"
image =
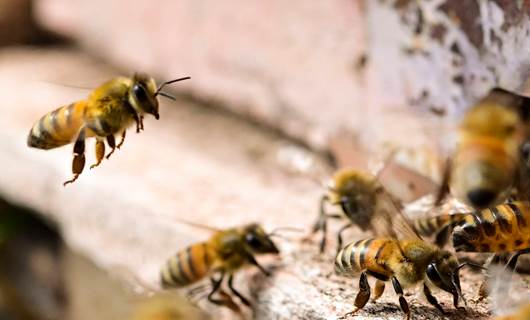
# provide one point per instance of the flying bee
(403, 258)
(359, 195)
(224, 253)
(484, 167)
(109, 110)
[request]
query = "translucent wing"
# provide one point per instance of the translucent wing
(388, 219)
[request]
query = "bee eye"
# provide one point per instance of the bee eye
(433, 274)
(140, 93)
(252, 240)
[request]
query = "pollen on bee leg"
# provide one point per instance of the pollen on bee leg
(100, 153)
(77, 167)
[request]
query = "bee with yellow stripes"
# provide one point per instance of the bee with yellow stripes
(485, 165)
(224, 253)
(109, 110)
(403, 258)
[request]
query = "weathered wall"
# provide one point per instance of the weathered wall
(289, 64)
(388, 73)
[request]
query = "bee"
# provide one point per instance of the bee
(484, 167)
(224, 253)
(359, 195)
(523, 313)
(403, 258)
(163, 306)
(109, 110)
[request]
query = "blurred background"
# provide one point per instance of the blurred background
(281, 93)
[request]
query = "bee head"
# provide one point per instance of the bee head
(355, 192)
(258, 241)
(142, 95)
(443, 273)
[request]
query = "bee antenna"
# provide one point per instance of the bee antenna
(167, 95)
(163, 84)
(274, 232)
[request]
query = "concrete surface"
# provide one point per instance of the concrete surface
(195, 164)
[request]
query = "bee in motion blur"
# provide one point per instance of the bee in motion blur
(440, 226)
(108, 111)
(402, 258)
(359, 195)
(224, 253)
(484, 167)
(164, 306)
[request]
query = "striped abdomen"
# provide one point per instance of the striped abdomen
(428, 226)
(365, 255)
(187, 266)
(504, 228)
(57, 128)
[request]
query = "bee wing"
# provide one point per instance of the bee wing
(389, 220)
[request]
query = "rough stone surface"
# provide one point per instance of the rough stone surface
(194, 164)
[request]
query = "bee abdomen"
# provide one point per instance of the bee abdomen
(186, 267)
(57, 128)
(427, 226)
(504, 228)
(361, 255)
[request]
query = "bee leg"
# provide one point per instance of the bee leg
(402, 302)
(230, 304)
(379, 289)
(512, 263)
(237, 293)
(339, 235)
(253, 261)
(100, 153)
(497, 258)
(444, 186)
(362, 296)
(122, 139)
(79, 157)
(139, 122)
(432, 299)
(321, 223)
(216, 285)
(112, 144)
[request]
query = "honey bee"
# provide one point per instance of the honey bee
(484, 167)
(523, 313)
(358, 195)
(402, 258)
(224, 253)
(163, 306)
(109, 110)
